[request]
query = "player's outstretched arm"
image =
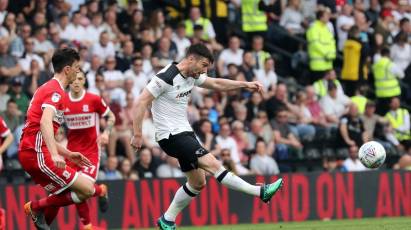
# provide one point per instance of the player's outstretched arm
(46, 127)
(142, 104)
(226, 85)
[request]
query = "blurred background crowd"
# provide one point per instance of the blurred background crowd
(336, 73)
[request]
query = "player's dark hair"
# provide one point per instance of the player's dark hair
(85, 78)
(201, 51)
(64, 57)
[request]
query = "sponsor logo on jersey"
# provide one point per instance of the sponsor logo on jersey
(55, 97)
(85, 108)
(80, 121)
(185, 94)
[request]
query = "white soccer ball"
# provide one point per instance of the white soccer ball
(372, 154)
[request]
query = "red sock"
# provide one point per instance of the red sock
(50, 213)
(59, 200)
(98, 190)
(83, 212)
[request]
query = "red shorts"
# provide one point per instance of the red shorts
(38, 163)
(90, 172)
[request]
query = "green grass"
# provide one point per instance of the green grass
(400, 223)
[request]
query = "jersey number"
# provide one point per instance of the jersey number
(89, 170)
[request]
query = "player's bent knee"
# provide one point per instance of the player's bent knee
(209, 163)
(85, 193)
(81, 196)
(90, 190)
(83, 187)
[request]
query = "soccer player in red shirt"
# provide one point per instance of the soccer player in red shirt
(42, 157)
(82, 116)
(6, 138)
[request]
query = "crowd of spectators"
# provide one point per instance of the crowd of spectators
(326, 116)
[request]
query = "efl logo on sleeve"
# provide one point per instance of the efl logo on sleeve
(55, 97)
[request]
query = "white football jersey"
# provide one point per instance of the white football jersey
(172, 93)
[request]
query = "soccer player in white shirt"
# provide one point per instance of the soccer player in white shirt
(168, 93)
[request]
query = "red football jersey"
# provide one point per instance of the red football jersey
(50, 94)
(82, 117)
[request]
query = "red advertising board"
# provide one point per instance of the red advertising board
(306, 196)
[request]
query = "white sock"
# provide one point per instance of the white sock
(234, 182)
(181, 199)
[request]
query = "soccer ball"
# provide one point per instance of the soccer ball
(372, 154)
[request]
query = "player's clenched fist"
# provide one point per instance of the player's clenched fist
(59, 161)
(255, 86)
(136, 141)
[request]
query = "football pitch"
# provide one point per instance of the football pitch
(400, 223)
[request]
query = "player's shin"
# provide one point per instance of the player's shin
(234, 182)
(83, 212)
(60, 200)
(181, 199)
(50, 214)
